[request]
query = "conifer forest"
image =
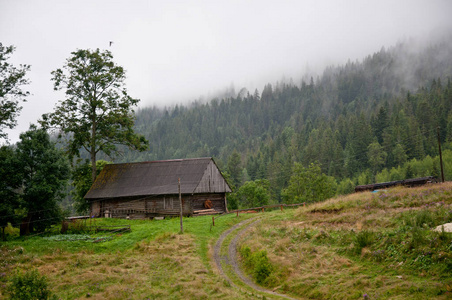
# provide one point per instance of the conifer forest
(365, 121)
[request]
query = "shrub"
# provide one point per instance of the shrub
(262, 266)
(258, 263)
(245, 251)
(363, 239)
(11, 231)
(29, 285)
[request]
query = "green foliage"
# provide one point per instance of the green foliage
(82, 181)
(44, 171)
(363, 239)
(346, 186)
(376, 155)
(97, 113)
(413, 168)
(29, 285)
(399, 155)
(234, 169)
(257, 262)
(233, 202)
(254, 193)
(11, 93)
(308, 185)
(10, 181)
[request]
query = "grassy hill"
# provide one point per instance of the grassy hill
(367, 245)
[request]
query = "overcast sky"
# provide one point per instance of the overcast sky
(176, 51)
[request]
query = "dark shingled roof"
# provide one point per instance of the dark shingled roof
(152, 178)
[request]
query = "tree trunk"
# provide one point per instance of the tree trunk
(3, 234)
(93, 166)
(93, 150)
(25, 226)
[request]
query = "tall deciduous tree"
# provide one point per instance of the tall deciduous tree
(44, 170)
(11, 94)
(97, 113)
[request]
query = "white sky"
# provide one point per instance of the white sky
(176, 51)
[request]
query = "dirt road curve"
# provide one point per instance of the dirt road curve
(231, 258)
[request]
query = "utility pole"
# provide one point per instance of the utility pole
(181, 209)
(440, 155)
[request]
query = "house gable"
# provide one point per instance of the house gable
(212, 181)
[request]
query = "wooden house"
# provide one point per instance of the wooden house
(151, 189)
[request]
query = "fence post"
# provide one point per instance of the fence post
(213, 221)
(237, 213)
(181, 208)
(281, 208)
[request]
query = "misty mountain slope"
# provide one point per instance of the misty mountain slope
(389, 72)
(393, 99)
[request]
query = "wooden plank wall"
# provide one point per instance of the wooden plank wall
(212, 181)
(145, 207)
(95, 209)
(157, 206)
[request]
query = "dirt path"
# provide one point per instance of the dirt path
(231, 258)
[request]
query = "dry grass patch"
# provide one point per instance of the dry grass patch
(379, 244)
(167, 267)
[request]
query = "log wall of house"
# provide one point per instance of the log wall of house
(217, 200)
(147, 207)
(144, 207)
(95, 209)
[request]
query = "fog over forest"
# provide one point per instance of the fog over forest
(176, 52)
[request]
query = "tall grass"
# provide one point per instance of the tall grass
(152, 261)
(376, 244)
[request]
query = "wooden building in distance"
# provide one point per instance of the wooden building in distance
(150, 189)
(407, 182)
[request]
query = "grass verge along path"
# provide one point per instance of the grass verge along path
(230, 261)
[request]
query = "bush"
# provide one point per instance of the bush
(363, 239)
(30, 285)
(254, 193)
(11, 231)
(245, 251)
(262, 266)
(258, 263)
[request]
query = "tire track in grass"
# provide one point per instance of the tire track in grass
(231, 258)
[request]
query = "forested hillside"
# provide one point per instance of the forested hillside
(363, 121)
